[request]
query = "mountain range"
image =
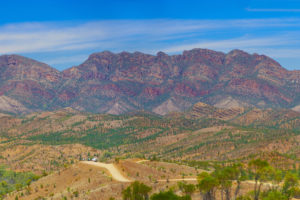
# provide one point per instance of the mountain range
(118, 83)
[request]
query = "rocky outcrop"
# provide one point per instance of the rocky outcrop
(124, 82)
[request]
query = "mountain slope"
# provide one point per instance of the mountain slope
(124, 82)
(29, 85)
(204, 132)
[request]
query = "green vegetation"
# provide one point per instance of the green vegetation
(187, 189)
(10, 180)
(281, 185)
(104, 138)
(125, 133)
(168, 195)
(140, 191)
(97, 139)
(136, 191)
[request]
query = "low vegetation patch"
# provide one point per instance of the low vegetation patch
(10, 180)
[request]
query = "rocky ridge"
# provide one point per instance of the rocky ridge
(118, 83)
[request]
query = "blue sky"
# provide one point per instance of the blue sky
(63, 33)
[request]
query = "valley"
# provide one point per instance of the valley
(170, 124)
(149, 100)
(176, 147)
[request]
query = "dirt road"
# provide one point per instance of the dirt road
(113, 170)
(116, 174)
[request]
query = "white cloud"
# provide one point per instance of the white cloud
(43, 37)
(238, 43)
(267, 36)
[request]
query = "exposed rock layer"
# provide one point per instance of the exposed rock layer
(118, 83)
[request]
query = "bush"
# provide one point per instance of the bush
(169, 195)
(273, 195)
(136, 191)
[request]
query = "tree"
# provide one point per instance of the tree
(28, 182)
(277, 177)
(207, 185)
(127, 194)
(239, 176)
(168, 195)
(136, 191)
(243, 197)
(4, 184)
(261, 170)
(290, 184)
(187, 189)
(225, 177)
(273, 195)
(222, 178)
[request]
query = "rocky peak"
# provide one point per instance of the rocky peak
(238, 53)
(159, 83)
(15, 67)
(204, 56)
(161, 54)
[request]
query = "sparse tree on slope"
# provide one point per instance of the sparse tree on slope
(290, 185)
(169, 195)
(207, 185)
(261, 170)
(187, 189)
(136, 191)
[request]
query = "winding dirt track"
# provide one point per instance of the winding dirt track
(116, 174)
(113, 170)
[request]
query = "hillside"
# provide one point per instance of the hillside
(203, 133)
(124, 82)
(183, 113)
(83, 181)
(52, 145)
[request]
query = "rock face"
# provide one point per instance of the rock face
(26, 85)
(10, 105)
(296, 108)
(202, 110)
(124, 82)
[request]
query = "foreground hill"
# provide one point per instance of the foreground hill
(87, 181)
(203, 133)
(54, 143)
(124, 82)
